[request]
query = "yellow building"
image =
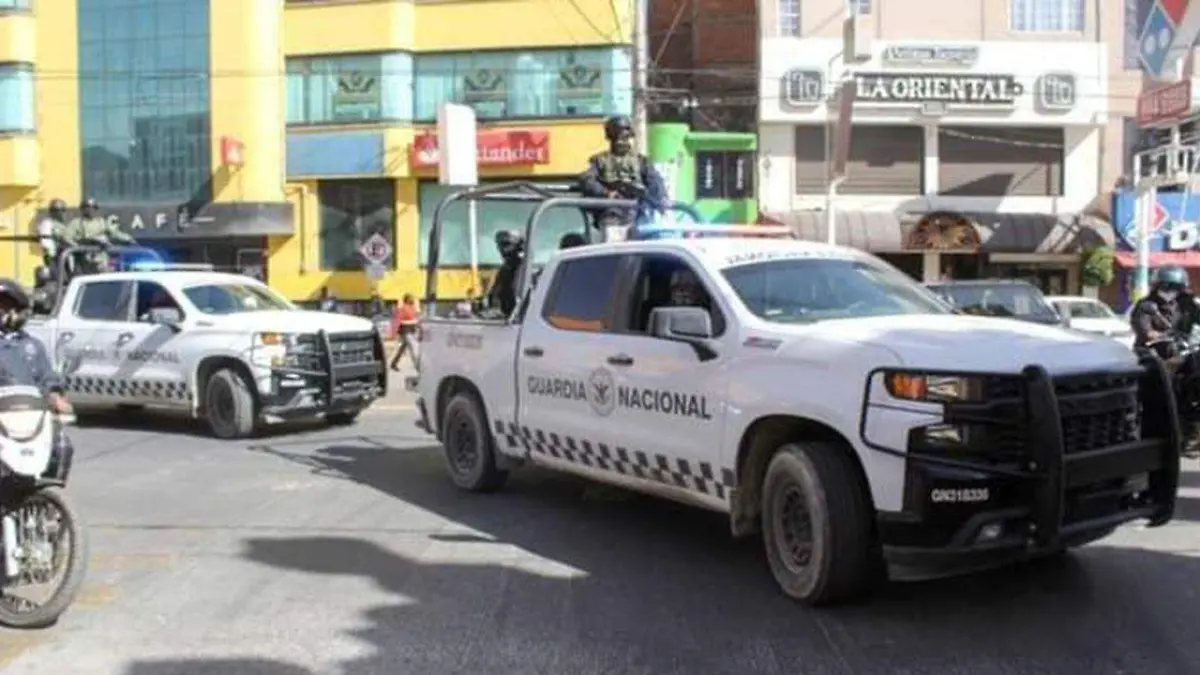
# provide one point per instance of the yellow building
(291, 134)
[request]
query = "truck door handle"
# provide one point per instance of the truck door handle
(621, 360)
(534, 352)
(124, 337)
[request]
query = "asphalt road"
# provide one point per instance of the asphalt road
(347, 551)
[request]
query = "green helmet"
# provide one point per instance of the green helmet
(1172, 276)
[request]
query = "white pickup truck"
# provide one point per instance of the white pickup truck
(814, 394)
(221, 347)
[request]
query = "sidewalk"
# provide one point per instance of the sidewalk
(398, 399)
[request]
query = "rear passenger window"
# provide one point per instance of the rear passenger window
(582, 294)
(104, 301)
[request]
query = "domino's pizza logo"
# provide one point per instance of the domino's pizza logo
(1155, 42)
(1160, 229)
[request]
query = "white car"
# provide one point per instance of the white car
(221, 347)
(1092, 316)
(810, 392)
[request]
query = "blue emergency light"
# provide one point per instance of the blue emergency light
(704, 230)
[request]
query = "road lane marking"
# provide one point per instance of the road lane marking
(398, 407)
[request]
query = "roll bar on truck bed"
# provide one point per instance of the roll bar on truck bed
(545, 197)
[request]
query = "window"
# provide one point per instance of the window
(1086, 310)
(883, 160)
(727, 174)
(806, 290)
(581, 298)
(862, 7)
(17, 102)
(491, 217)
(104, 301)
(1046, 16)
(15, 4)
(1136, 12)
(666, 281)
(352, 213)
(235, 298)
(1000, 161)
(998, 300)
(789, 18)
(151, 295)
(144, 100)
(349, 89)
(530, 84)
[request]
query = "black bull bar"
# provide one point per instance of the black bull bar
(1051, 470)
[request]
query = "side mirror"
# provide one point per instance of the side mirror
(165, 316)
(692, 325)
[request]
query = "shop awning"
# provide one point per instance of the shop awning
(1180, 258)
(885, 231)
(866, 230)
(1039, 233)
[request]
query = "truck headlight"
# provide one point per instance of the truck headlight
(933, 388)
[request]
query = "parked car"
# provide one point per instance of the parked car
(1003, 298)
(1092, 316)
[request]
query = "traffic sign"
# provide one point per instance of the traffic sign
(375, 249)
(1164, 104)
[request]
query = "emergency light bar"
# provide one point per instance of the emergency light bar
(157, 266)
(697, 231)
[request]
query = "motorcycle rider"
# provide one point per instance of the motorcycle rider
(1166, 312)
(23, 360)
(503, 293)
(621, 173)
(88, 227)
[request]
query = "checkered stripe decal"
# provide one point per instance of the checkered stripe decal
(696, 476)
(119, 387)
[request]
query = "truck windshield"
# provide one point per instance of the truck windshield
(808, 290)
(1000, 300)
(234, 298)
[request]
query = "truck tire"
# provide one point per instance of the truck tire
(342, 419)
(470, 451)
(229, 405)
(812, 491)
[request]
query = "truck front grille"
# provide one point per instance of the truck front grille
(1095, 411)
(350, 349)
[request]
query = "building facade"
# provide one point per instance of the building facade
(705, 55)
(286, 138)
(977, 141)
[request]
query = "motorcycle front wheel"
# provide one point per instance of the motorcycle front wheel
(45, 525)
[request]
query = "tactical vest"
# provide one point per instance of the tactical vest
(620, 169)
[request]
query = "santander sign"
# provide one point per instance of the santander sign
(498, 147)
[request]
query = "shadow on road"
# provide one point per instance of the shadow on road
(216, 667)
(178, 424)
(605, 581)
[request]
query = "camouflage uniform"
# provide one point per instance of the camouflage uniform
(95, 228)
(621, 173)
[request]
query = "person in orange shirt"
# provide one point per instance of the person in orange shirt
(406, 325)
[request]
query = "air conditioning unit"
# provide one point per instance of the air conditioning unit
(856, 39)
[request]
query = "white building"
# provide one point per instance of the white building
(971, 153)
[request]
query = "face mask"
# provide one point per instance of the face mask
(1169, 296)
(622, 145)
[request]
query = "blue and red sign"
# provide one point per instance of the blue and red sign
(1170, 30)
(1174, 228)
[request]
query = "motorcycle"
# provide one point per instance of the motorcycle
(41, 534)
(1181, 354)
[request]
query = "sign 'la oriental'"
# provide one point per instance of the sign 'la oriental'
(961, 88)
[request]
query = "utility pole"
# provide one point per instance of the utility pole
(641, 75)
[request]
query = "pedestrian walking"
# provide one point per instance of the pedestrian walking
(406, 325)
